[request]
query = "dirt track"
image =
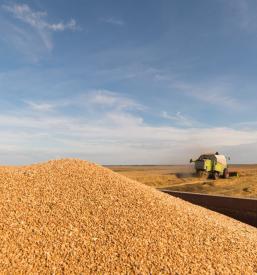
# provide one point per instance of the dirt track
(71, 216)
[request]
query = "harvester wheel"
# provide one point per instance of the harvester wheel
(215, 175)
(225, 173)
(202, 174)
(199, 174)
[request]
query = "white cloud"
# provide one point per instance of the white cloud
(100, 99)
(36, 19)
(71, 25)
(111, 99)
(121, 118)
(26, 42)
(113, 21)
(103, 97)
(109, 133)
(36, 40)
(178, 118)
(215, 92)
(44, 107)
(114, 137)
(24, 13)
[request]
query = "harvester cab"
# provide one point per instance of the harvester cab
(211, 166)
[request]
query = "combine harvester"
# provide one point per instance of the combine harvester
(213, 166)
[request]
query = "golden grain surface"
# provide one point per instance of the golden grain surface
(71, 216)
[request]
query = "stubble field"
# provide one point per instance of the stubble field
(181, 178)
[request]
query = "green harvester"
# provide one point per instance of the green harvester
(211, 166)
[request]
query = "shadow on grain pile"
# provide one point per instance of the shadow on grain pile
(72, 216)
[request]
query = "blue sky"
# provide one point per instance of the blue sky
(127, 82)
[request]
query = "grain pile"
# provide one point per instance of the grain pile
(71, 216)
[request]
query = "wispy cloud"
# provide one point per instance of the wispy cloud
(41, 106)
(113, 21)
(70, 25)
(114, 134)
(31, 45)
(102, 126)
(216, 97)
(99, 99)
(39, 28)
(111, 99)
(245, 125)
(218, 93)
(112, 138)
(178, 118)
(36, 19)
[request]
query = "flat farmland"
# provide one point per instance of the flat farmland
(181, 178)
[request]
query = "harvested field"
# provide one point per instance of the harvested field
(71, 216)
(181, 178)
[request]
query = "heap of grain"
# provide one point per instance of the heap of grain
(71, 216)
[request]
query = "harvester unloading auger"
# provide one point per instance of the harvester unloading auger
(212, 166)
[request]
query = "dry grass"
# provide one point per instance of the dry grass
(181, 178)
(74, 217)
